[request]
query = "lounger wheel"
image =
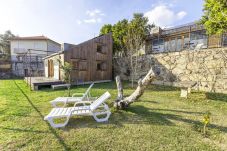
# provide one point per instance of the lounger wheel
(51, 121)
(106, 112)
(101, 119)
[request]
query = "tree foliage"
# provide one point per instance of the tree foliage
(138, 29)
(215, 16)
(107, 28)
(5, 41)
(67, 68)
(120, 31)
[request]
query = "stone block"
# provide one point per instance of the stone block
(184, 93)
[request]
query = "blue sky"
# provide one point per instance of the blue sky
(75, 21)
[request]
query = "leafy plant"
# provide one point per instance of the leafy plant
(215, 16)
(5, 43)
(206, 121)
(67, 68)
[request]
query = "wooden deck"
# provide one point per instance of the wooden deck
(37, 82)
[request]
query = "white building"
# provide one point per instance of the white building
(27, 54)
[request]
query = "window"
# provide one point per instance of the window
(25, 72)
(186, 42)
(158, 45)
(198, 37)
(167, 44)
(173, 44)
(99, 49)
(179, 43)
(101, 66)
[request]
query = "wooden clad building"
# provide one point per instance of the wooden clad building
(91, 60)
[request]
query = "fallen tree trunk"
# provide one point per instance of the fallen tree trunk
(119, 88)
(142, 84)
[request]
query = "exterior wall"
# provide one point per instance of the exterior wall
(85, 59)
(20, 62)
(27, 44)
(58, 73)
(207, 68)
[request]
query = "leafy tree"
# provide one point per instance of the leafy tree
(215, 16)
(129, 37)
(67, 68)
(119, 31)
(137, 30)
(107, 28)
(5, 41)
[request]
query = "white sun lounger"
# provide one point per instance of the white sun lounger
(96, 108)
(64, 100)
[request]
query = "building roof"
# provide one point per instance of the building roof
(54, 54)
(33, 38)
(192, 26)
(180, 26)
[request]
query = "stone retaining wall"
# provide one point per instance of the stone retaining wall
(207, 67)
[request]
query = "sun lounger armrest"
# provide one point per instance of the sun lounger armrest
(76, 111)
(82, 102)
(76, 94)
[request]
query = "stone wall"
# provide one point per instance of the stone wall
(207, 68)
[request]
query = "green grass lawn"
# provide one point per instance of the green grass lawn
(160, 120)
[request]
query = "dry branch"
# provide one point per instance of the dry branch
(142, 85)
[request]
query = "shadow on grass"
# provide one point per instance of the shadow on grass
(133, 115)
(53, 131)
(23, 130)
(179, 111)
(165, 119)
(148, 116)
(152, 102)
(216, 96)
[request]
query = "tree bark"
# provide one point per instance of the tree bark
(119, 88)
(142, 84)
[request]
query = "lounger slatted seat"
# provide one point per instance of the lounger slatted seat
(96, 108)
(65, 100)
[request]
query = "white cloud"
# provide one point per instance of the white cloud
(90, 20)
(79, 22)
(181, 14)
(93, 20)
(93, 16)
(163, 15)
(95, 12)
